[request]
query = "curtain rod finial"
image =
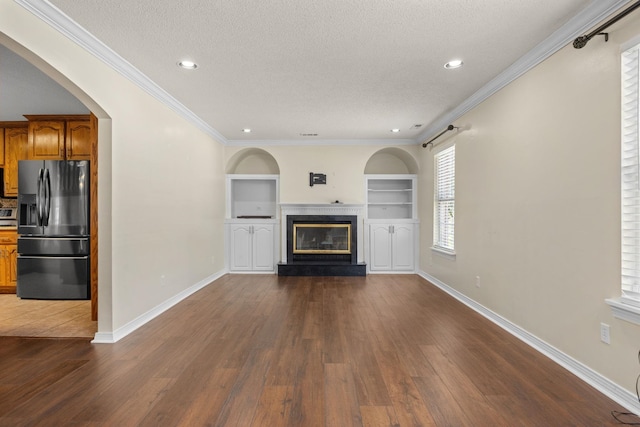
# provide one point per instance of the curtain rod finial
(581, 42)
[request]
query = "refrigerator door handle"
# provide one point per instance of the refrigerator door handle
(47, 197)
(39, 196)
(51, 257)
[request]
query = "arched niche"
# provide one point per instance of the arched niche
(253, 161)
(391, 161)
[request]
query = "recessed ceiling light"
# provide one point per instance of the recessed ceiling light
(395, 130)
(456, 63)
(246, 130)
(188, 65)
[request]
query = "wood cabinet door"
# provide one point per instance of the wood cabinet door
(78, 141)
(4, 271)
(15, 149)
(8, 261)
(1, 147)
(46, 140)
(12, 267)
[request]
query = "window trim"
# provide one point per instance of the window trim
(627, 307)
(437, 199)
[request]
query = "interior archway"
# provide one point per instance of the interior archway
(103, 305)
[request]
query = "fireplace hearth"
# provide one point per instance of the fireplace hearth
(321, 245)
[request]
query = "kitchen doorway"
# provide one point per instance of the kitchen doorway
(46, 318)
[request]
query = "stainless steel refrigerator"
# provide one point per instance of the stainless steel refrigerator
(53, 229)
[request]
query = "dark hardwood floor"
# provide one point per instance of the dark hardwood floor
(381, 350)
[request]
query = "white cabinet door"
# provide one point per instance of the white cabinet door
(262, 247)
(380, 247)
(240, 247)
(402, 246)
(251, 247)
(391, 247)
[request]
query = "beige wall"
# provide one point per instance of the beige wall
(537, 205)
(158, 235)
(344, 166)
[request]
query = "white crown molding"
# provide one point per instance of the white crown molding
(576, 26)
(312, 141)
(604, 385)
(72, 30)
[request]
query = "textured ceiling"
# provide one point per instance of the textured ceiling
(341, 69)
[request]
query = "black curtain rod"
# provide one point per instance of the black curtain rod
(450, 127)
(582, 41)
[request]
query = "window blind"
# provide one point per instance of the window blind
(445, 190)
(630, 179)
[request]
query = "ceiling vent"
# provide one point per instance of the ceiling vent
(308, 134)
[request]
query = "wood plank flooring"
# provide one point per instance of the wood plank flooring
(247, 350)
(45, 318)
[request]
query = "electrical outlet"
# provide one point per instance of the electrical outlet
(605, 333)
(477, 281)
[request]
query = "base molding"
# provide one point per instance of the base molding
(588, 375)
(123, 331)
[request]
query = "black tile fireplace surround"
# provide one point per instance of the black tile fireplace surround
(323, 260)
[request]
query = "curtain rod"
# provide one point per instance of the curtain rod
(450, 127)
(582, 41)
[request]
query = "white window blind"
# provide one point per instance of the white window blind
(630, 169)
(445, 191)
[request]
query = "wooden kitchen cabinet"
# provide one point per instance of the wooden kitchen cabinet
(8, 261)
(46, 140)
(59, 137)
(15, 143)
(1, 147)
(78, 140)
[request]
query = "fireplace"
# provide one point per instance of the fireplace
(321, 245)
(321, 238)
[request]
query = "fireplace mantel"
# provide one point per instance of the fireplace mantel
(321, 209)
(287, 209)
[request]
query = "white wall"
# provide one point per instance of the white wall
(538, 205)
(161, 180)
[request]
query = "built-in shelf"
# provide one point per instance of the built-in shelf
(252, 196)
(391, 196)
(252, 224)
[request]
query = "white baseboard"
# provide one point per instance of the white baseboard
(607, 387)
(123, 331)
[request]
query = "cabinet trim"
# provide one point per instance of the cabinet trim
(56, 117)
